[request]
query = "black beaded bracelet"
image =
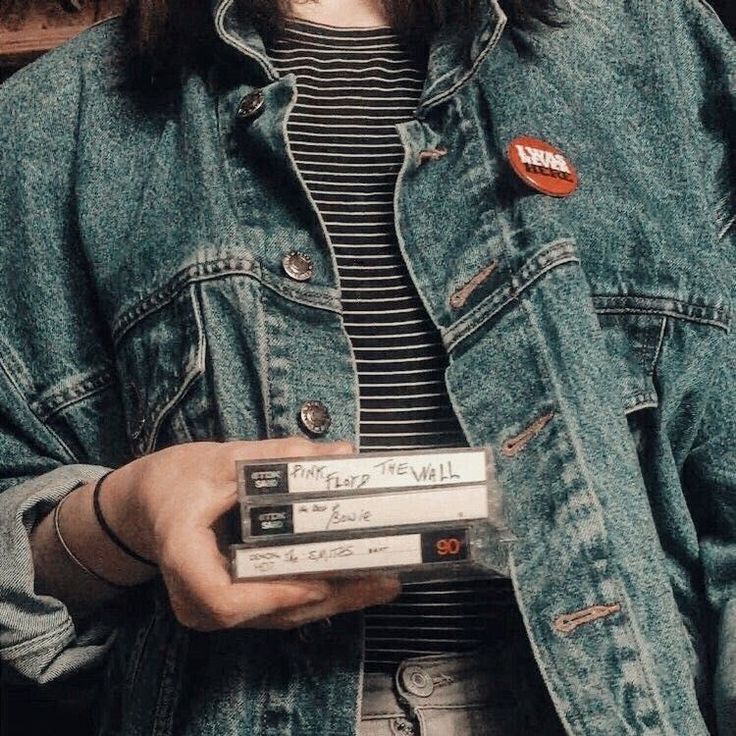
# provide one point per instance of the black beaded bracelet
(107, 529)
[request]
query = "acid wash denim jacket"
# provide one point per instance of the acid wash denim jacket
(143, 303)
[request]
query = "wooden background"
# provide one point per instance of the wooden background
(30, 27)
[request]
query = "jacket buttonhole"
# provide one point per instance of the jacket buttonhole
(431, 154)
(460, 297)
(568, 622)
(514, 445)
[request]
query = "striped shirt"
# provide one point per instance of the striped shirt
(354, 85)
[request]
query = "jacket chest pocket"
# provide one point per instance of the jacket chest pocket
(160, 353)
(633, 343)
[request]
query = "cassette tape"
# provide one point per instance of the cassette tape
(347, 474)
(301, 496)
(414, 511)
(410, 507)
(436, 553)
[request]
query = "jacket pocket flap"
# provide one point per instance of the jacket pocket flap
(159, 357)
(633, 343)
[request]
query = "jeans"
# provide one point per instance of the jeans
(495, 691)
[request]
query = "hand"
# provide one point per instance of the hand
(167, 506)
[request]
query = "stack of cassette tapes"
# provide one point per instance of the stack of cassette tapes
(427, 513)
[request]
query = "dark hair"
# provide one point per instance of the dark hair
(166, 34)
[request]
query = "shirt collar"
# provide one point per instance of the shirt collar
(453, 59)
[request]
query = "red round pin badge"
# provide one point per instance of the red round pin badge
(542, 166)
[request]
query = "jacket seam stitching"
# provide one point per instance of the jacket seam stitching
(659, 347)
(163, 712)
(14, 651)
(641, 401)
(326, 302)
(161, 297)
(195, 372)
(187, 276)
(541, 362)
(55, 437)
(496, 302)
(652, 694)
(233, 41)
(667, 299)
(666, 313)
(501, 21)
(264, 347)
(46, 408)
(647, 304)
(709, 9)
(726, 227)
(723, 215)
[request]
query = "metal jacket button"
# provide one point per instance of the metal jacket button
(298, 266)
(314, 417)
(417, 681)
(402, 727)
(251, 106)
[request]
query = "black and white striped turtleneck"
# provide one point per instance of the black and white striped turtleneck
(353, 86)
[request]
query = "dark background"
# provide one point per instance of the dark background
(727, 10)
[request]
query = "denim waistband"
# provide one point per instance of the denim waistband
(495, 689)
(441, 681)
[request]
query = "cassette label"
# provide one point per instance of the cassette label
(457, 503)
(371, 471)
(266, 479)
(269, 520)
(447, 545)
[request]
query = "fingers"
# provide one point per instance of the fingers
(213, 466)
(350, 594)
(183, 529)
(204, 598)
(289, 447)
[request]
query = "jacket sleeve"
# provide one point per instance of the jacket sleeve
(710, 470)
(710, 476)
(55, 374)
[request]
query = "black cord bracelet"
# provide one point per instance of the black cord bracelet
(110, 533)
(73, 557)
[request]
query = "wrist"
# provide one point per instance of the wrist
(93, 546)
(123, 515)
(109, 531)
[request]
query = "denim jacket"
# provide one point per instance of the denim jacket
(143, 303)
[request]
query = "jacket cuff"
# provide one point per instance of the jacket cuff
(38, 638)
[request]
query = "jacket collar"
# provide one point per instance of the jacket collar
(453, 60)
